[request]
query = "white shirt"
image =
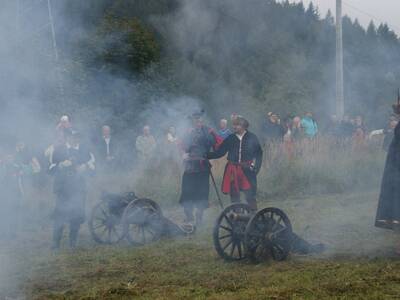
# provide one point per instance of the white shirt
(240, 137)
(107, 140)
(76, 147)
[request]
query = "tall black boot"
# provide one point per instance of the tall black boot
(73, 234)
(188, 210)
(251, 199)
(57, 235)
(199, 216)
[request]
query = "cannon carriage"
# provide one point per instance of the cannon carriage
(240, 233)
(126, 217)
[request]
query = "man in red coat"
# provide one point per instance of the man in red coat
(244, 162)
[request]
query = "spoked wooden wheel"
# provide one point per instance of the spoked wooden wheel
(143, 222)
(105, 224)
(229, 231)
(268, 234)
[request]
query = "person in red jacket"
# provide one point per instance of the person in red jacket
(244, 162)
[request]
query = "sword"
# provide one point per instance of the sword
(216, 190)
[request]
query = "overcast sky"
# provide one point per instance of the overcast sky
(379, 10)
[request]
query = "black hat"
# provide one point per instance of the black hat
(198, 114)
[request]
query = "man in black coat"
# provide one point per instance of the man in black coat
(388, 213)
(71, 163)
(273, 131)
(106, 150)
(195, 180)
(244, 162)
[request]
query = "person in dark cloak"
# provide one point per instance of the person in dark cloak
(389, 134)
(388, 213)
(195, 181)
(10, 188)
(244, 162)
(72, 161)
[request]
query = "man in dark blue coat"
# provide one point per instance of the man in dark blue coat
(244, 162)
(71, 163)
(195, 181)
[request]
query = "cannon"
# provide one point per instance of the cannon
(240, 233)
(138, 220)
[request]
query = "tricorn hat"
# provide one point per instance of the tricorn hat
(197, 114)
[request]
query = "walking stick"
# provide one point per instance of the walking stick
(216, 190)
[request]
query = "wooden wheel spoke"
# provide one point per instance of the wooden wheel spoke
(109, 234)
(105, 229)
(226, 228)
(99, 226)
(256, 234)
(227, 245)
(278, 252)
(263, 218)
(101, 219)
(104, 212)
(277, 246)
(278, 232)
(151, 232)
(225, 236)
(114, 230)
(233, 249)
(275, 225)
(240, 250)
(143, 234)
(228, 221)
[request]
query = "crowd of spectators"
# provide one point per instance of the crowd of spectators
(110, 153)
(20, 163)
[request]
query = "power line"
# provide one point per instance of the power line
(369, 15)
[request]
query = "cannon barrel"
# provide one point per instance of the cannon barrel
(238, 217)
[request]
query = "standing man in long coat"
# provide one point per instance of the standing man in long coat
(195, 181)
(71, 163)
(388, 214)
(244, 162)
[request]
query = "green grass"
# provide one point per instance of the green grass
(358, 263)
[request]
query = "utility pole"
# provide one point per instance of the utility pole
(24, 9)
(339, 62)
(55, 50)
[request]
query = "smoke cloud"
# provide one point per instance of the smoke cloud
(221, 56)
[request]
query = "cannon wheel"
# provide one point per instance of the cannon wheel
(229, 233)
(268, 233)
(143, 222)
(105, 227)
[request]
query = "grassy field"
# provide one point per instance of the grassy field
(359, 262)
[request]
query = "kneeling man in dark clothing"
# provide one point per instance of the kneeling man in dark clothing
(244, 162)
(71, 163)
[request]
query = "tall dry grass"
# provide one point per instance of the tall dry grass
(319, 166)
(309, 167)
